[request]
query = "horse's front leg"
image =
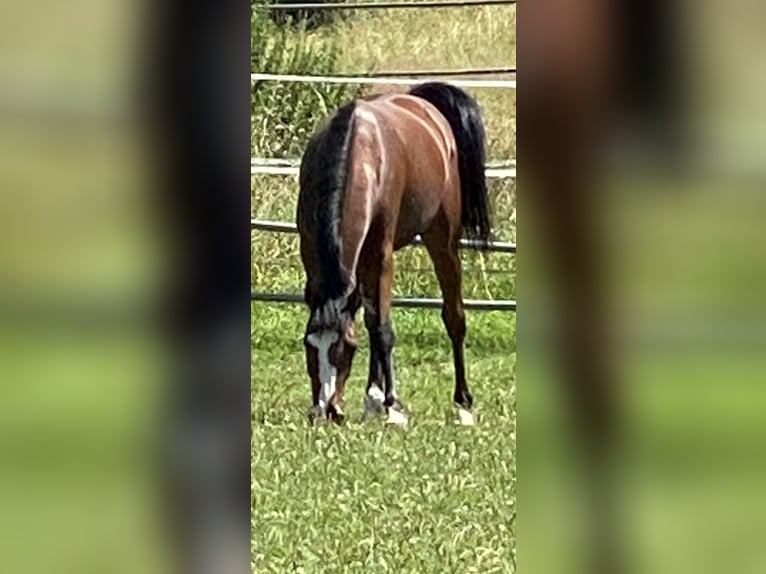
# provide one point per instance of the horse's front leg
(374, 396)
(381, 386)
(386, 340)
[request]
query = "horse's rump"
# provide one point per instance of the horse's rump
(415, 153)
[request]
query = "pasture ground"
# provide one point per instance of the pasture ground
(435, 497)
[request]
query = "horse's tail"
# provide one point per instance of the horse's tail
(464, 117)
(324, 172)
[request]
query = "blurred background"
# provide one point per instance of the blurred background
(80, 365)
(114, 310)
(642, 325)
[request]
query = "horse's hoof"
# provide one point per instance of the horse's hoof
(465, 417)
(373, 402)
(396, 418)
(336, 414)
(315, 415)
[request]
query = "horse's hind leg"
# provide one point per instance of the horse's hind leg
(446, 262)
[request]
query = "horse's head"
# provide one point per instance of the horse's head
(330, 343)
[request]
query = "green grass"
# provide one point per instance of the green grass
(360, 497)
(472, 37)
(285, 115)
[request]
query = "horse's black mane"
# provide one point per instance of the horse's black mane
(323, 183)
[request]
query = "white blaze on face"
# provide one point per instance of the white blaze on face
(328, 374)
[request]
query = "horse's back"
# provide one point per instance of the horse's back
(418, 159)
(416, 123)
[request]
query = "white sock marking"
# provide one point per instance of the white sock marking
(397, 418)
(465, 417)
(373, 402)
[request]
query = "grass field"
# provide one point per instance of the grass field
(434, 497)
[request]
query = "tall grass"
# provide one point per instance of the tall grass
(415, 39)
(284, 115)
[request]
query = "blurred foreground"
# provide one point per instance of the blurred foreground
(124, 433)
(642, 325)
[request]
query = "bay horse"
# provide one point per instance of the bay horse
(384, 169)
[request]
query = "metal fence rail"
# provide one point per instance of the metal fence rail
(273, 166)
(405, 302)
(287, 227)
(296, 162)
(442, 73)
(261, 77)
(258, 169)
(382, 5)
